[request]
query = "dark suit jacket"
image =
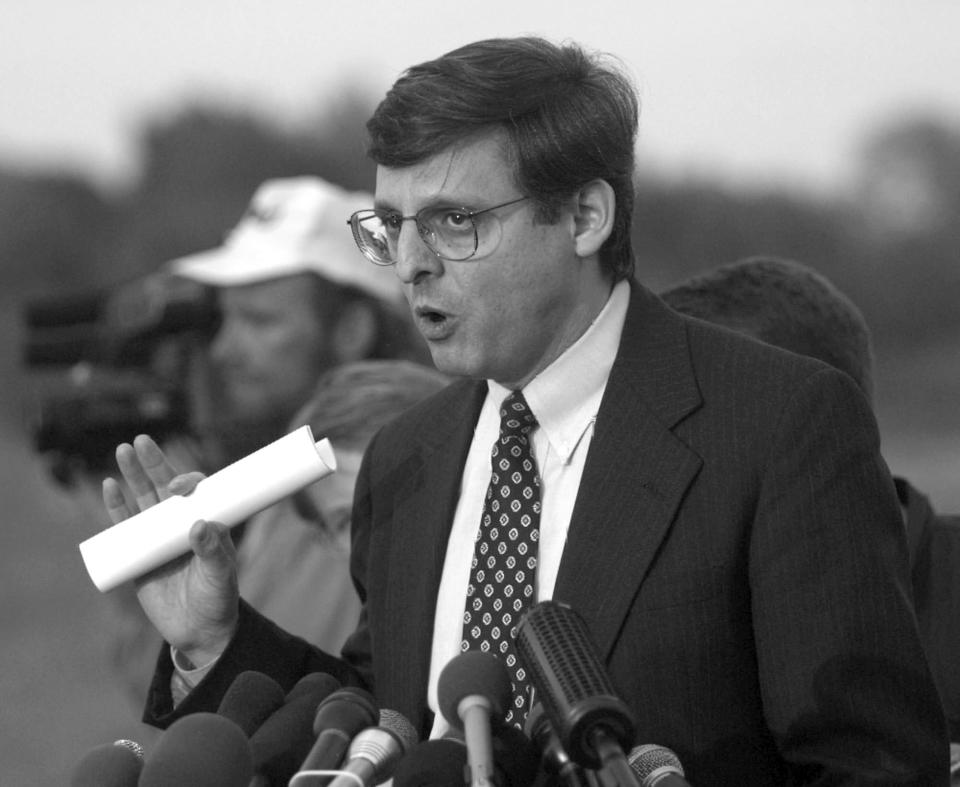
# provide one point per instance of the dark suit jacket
(934, 543)
(736, 550)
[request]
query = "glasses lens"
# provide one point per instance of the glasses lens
(450, 232)
(370, 231)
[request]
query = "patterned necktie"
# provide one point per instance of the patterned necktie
(505, 554)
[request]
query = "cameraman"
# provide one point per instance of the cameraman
(295, 299)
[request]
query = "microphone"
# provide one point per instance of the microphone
(552, 754)
(655, 764)
(593, 724)
(515, 759)
(250, 700)
(473, 692)
(284, 739)
(436, 763)
(203, 750)
(116, 764)
(340, 716)
(375, 751)
(442, 762)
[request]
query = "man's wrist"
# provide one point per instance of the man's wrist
(203, 656)
(187, 673)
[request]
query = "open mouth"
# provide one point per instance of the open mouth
(431, 315)
(434, 325)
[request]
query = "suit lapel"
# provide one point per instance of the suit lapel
(422, 518)
(636, 472)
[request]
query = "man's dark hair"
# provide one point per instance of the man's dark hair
(786, 304)
(570, 118)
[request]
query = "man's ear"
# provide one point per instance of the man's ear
(593, 216)
(354, 336)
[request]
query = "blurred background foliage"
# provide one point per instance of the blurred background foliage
(890, 240)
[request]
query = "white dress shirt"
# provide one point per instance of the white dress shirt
(565, 398)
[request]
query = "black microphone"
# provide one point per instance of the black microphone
(116, 764)
(595, 726)
(515, 758)
(250, 700)
(375, 751)
(473, 692)
(340, 716)
(552, 754)
(442, 762)
(203, 750)
(436, 763)
(284, 739)
(659, 765)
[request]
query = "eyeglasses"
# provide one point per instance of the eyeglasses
(454, 234)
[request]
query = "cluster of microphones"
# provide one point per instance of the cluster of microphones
(322, 734)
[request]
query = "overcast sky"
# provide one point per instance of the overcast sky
(750, 90)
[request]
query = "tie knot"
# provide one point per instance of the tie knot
(516, 418)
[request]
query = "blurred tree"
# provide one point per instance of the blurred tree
(907, 197)
(201, 166)
(53, 231)
(909, 177)
(683, 228)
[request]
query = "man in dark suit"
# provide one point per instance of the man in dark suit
(716, 509)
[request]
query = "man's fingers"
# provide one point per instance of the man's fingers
(115, 502)
(185, 483)
(154, 463)
(136, 477)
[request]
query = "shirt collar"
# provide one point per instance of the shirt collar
(565, 397)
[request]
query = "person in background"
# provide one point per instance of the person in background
(294, 301)
(714, 508)
(294, 558)
(791, 305)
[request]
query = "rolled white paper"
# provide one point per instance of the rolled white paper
(149, 539)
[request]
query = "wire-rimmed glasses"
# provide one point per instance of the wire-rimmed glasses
(451, 233)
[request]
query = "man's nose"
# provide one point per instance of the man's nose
(221, 345)
(414, 258)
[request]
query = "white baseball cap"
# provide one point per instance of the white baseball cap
(293, 225)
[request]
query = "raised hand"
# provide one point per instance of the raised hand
(192, 600)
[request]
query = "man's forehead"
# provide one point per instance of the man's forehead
(463, 173)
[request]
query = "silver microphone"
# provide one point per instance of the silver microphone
(657, 765)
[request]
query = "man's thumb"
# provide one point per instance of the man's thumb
(211, 541)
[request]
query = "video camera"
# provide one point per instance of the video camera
(120, 360)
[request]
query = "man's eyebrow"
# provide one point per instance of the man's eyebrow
(438, 201)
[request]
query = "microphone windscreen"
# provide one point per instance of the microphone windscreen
(435, 763)
(109, 765)
(339, 718)
(284, 739)
(133, 746)
(555, 646)
(250, 700)
(401, 728)
(350, 709)
(202, 750)
(652, 763)
(473, 673)
(515, 758)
